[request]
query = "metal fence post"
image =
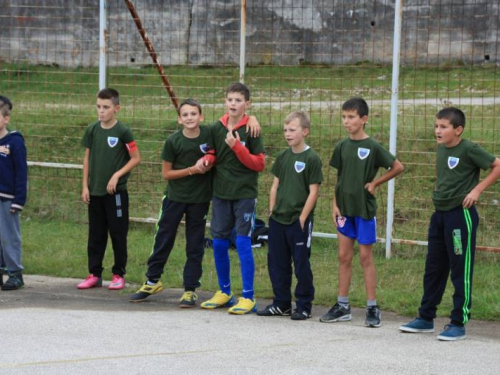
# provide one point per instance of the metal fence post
(243, 32)
(398, 15)
(102, 43)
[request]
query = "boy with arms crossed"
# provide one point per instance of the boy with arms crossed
(354, 206)
(453, 225)
(240, 158)
(110, 155)
(297, 175)
(13, 187)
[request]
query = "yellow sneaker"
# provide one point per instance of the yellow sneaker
(244, 306)
(219, 299)
(145, 291)
(188, 299)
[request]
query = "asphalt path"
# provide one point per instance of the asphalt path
(50, 327)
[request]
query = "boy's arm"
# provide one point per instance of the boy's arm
(173, 174)
(255, 163)
(253, 127)
(335, 210)
(472, 198)
(396, 168)
(135, 160)
(21, 179)
(85, 179)
(309, 205)
(272, 194)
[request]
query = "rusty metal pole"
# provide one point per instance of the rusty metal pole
(103, 30)
(243, 32)
(152, 53)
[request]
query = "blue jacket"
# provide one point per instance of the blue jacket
(13, 169)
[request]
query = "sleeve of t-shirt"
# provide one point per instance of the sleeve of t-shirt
(168, 153)
(87, 137)
(335, 160)
(315, 172)
(127, 137)
(275, 169)
(480, 157)
(256, 146)
(384, 158)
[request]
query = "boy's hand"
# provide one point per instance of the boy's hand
(302, 222)
(202, 166)
(336, 215)
(86, 195)
(13, 210)
(231, 140)
(370, 187)
(113, 181)
(471, 199)
(253, 127)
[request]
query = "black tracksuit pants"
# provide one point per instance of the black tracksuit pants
(170, 218)
(289, 243)
(108, 214)
(452, 245)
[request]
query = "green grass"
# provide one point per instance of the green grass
(59, 249)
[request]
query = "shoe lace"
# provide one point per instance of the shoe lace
(116, 279)
(372, 311)
(187, 295)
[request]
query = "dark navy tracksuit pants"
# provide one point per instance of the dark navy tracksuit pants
(108, 214)
(170, 218)
(452, 245)
(289, 243)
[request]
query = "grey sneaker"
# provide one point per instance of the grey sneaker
(337, 313)
(373, 316)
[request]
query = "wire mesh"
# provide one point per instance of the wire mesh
(310, 55)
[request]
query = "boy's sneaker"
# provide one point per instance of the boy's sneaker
(373, 316)
(145, 291)
(299, 314)
(2, 271)
(14, 282)
(117, 282)
(219, 299)
(273, 310)
(452, 332)
(418, 325)
(188, 299)
(337, 313)
(90, 281)
(244, 306)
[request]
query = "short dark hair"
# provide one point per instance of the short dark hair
(239, 88)
(189, 101)
(454, 115)
(5, 106)
(110, 94)
(356, 104)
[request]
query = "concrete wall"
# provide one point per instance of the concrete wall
(285, 32)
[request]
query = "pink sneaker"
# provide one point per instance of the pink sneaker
(117, 283)
(90, 281)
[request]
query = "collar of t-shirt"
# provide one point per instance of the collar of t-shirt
(225, 119)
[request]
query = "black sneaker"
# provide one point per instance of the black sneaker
(373, 316)
(299, 314)
(337, 313)
(14, 282)
(2, 271)
(273, 310)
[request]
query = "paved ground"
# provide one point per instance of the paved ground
(50, 327)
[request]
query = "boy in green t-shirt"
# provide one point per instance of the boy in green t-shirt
(188, 193)
(297, 176)
(110, 155)
(357, 159)
(240, 158)
(453, 225)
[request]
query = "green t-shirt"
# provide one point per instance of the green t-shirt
(296, 173)
(232, 180)
(184, 152)
(108, 154)
(458, 170)
(357, 162)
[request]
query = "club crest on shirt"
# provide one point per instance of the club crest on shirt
(204, 148)
(452, 162)
(247, 217)
(363, 152)
(341, 221)
(112, 141)
(299, 166)
(4, 150)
